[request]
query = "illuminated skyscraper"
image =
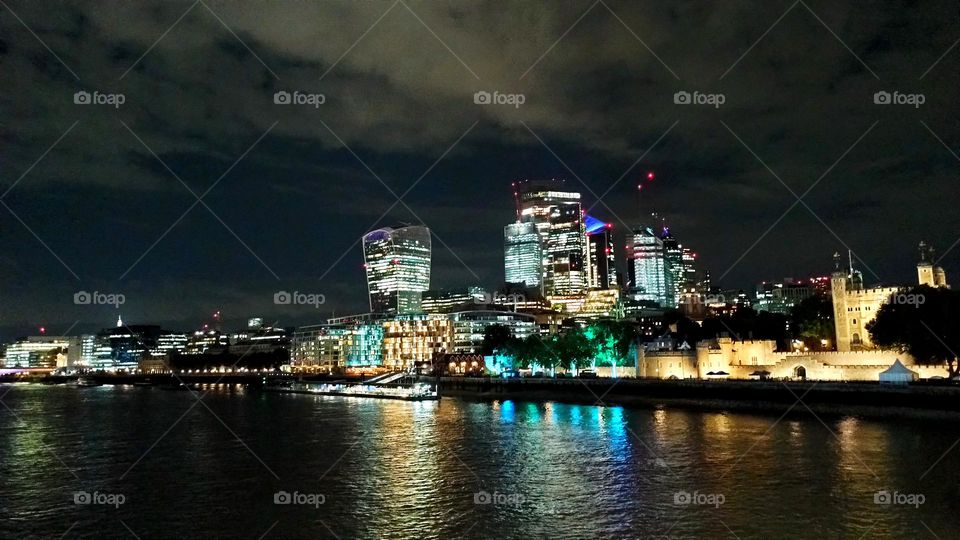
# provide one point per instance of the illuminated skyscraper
(646, 265)
(673, 266)
(397, 263)
(602, 268)
(689, 267)
(558, 216)
(522, 254)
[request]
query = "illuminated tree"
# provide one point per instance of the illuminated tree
(611, 342)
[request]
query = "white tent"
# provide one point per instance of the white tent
(898, 374)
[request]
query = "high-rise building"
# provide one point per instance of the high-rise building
(558, 216)
(603, 267)
(689, 268)
(673, 267)
(397, 263)
(646, 266)
(523, 254)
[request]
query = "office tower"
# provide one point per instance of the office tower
(558, 216)
(603, 268)
(689, 268)
(397, 263)
(673, 267)
(522, 254)
(646, 265)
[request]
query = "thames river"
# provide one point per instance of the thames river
(133, 462)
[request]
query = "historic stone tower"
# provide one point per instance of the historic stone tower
(854, 306)
(928, 273)
(838, 290)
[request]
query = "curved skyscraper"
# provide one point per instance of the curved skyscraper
(397, 263)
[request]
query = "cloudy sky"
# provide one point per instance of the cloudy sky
(200, 193)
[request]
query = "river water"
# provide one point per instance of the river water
(115, 462)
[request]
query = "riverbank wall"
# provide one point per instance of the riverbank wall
(868, 399)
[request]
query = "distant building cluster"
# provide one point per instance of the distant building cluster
(561, 272)
(143, 348)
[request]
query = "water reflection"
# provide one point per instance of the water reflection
(419, 470)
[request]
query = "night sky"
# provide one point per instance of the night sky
(105, 199)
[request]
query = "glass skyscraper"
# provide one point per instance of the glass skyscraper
(674, 267)
(647, 267)
(603, 267)
(558, 216)
(522, 254)
(397, 263)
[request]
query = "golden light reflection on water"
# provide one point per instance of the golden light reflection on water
(410, 470)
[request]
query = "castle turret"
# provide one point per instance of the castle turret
(928, 273)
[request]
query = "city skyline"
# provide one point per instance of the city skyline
(99, 196)
(322, 312)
